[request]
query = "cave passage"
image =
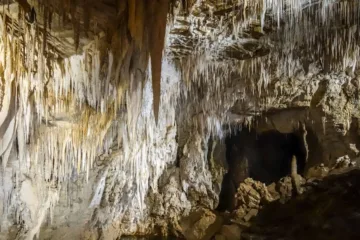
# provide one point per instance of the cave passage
(265, 157)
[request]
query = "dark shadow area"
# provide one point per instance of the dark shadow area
(329, 211)
(265, 157)
(148, 238)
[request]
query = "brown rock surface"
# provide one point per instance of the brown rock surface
(231, 232)
(328, 211)
(201, 224)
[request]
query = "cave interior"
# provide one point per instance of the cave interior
(190, 119)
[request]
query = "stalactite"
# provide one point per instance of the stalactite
(158, 16)
(304, 134)
(304, 24)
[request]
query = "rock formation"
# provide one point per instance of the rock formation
(115, 115)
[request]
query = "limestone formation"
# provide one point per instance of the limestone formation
(114, 114)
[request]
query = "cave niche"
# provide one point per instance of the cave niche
(265, 157)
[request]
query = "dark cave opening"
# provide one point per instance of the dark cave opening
(265, 157)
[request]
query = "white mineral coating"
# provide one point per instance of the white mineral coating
(78, 139)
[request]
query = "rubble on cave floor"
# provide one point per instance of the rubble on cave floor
(328, 208)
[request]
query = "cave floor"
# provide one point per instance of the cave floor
(329, 210)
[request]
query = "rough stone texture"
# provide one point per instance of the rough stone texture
(317, 172)
(196, 178)
(110, 168)
(201, 224)
(200, 28)
(277, 210)
(250, 196)
(327, 211)
(231, 232)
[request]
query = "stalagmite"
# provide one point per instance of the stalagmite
(295, 177)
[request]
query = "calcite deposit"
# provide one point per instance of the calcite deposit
(177, 117)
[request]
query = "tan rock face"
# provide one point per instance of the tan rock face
(201, 224)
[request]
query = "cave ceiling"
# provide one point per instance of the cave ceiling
(231, 55)
(228, 29)
(85, 58)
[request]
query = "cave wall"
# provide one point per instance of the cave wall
(86, 145)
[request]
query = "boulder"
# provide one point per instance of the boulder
(239, 213)
(220, 237)
(273, 192)
(285, 188)
(201, 224)
(252, 213)
(317, 172)
(231, 232)
(252, 193)
(342, 165)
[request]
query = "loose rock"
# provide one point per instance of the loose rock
(201, 224)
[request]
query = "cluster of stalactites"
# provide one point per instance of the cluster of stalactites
(65, 108)
(99, 77)
(304, 33)
(61, 112)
